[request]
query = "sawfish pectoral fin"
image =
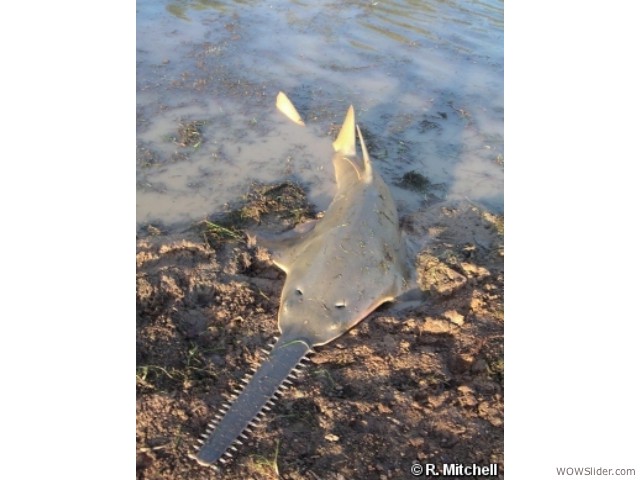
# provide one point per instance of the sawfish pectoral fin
(286, 246)
(411, 298)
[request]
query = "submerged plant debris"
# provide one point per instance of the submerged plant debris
(415, 181)
(263, 204)
(285, 202)
(190, 134)
(419, 384)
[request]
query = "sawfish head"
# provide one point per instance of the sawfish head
(343, 267)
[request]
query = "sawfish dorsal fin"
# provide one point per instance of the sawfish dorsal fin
(346, 141)
(286, 107)
(346, 145)
(368, 174)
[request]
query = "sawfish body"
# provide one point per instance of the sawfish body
(347, 265)
(339, 270)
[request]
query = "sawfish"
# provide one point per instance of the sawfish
(338, 269)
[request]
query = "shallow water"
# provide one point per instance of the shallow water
(425, 77)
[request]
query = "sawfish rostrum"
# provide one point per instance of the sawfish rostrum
(339, 270)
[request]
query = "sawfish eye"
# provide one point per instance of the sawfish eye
(341, 305)
(298, 291)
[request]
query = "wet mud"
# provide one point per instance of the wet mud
(419, 382)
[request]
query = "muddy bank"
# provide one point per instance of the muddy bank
(419, 384)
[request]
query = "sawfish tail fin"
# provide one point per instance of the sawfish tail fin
(286, 107)
(344, 144)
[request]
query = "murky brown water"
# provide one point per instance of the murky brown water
(426, 79)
